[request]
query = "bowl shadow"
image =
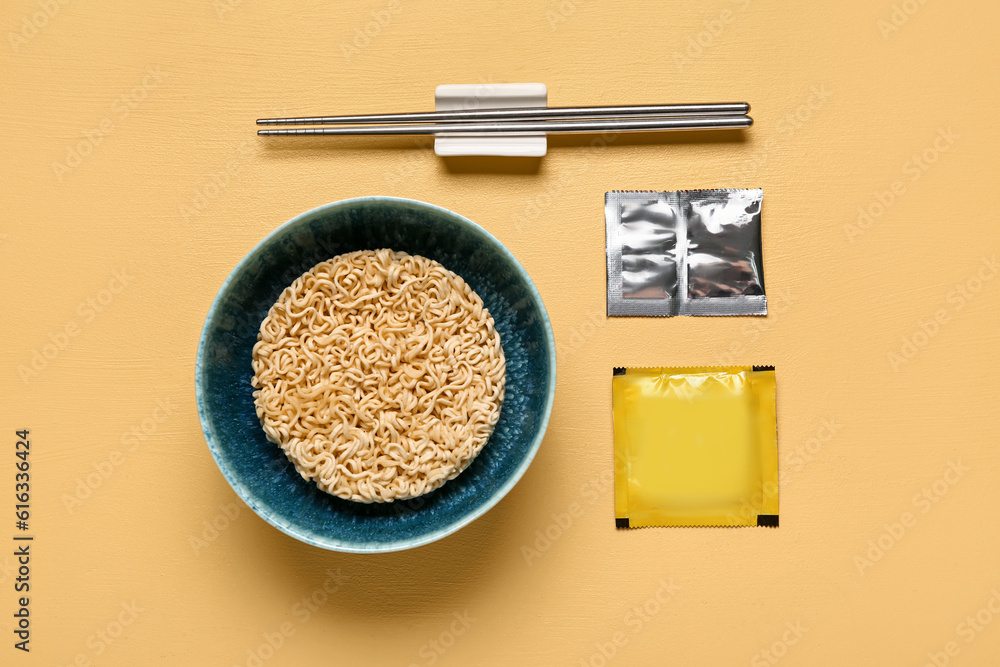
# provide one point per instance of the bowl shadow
(434, 578)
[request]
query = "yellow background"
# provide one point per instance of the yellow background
(174, 188)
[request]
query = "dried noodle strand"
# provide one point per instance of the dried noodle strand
(380, 374)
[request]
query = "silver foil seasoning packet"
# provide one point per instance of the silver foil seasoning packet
(690, 252)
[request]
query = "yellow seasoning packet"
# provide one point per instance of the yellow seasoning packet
(695, 446)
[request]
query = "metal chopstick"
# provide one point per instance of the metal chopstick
(524, 113)
(605, 125)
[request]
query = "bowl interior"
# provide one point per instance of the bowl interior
(258, 469)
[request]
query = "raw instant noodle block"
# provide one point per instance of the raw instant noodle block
(695, 446)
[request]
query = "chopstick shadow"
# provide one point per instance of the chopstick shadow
(611, 140)
(284, 148)
(295, 147)
(492, 164)
(281, 147)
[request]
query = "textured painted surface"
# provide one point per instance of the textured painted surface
(132, 183)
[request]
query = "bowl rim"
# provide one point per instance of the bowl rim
(396, 545)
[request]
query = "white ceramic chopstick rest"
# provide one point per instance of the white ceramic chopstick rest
(451, 97)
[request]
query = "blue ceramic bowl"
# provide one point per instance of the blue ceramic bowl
(258, 470)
